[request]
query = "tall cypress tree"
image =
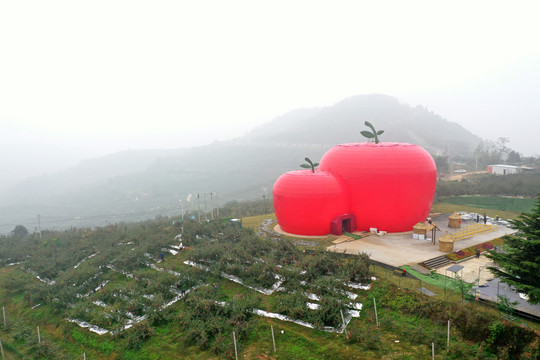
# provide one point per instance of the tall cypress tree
(519, 265)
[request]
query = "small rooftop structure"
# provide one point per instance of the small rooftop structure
(420, 230)
(454, 221)
(446, 243)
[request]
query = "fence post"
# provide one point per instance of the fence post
(432, 351)
(4, 312)
(2, 350)
(273, 338)
(235, 350)
(38, 335)
(376, 316)
(448, 336)
(344, 327)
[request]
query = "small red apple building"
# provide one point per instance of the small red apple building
(307, 201)
(388, 186)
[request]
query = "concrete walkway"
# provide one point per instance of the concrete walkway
(471, 268)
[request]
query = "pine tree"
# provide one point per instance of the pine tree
(519, 265)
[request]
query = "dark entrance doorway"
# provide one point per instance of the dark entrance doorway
(346, 225)
(343, 223)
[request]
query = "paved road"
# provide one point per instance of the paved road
(495, 287)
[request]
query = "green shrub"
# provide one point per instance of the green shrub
(207, 324)
(508, 338)
(138, 334)
(459, 350)
(473, 325)
(328, 313)
(292, 305)
(366, 334)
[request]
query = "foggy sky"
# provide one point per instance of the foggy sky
(90, 78)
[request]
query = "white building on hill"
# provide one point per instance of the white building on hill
(503, 169)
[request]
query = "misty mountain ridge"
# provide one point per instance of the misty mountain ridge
(343, 122)
(153, 182)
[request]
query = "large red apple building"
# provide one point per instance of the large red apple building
(388, 186)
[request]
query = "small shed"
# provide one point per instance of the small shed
(419, 230)
(454, 221)
(446, 243)
(501, 169)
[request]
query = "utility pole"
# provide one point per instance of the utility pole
(39, 225)
(181, 203)
(217, 207)
(212, 204)
(199, 204)
(205, 211)
(264, 201)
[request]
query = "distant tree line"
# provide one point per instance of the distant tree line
(238, 209)
(488, 152)
(524, 184)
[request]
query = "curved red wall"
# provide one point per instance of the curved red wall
(306, 202)
(391, 185)
(388, 186)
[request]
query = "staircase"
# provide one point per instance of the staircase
(437, 262)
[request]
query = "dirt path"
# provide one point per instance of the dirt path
(464, 175)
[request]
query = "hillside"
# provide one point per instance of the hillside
(342, 123)
(132, 291)
(134, 185)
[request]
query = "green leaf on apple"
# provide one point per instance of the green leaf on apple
(309, 165)
(374, 134)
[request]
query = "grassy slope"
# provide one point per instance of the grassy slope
(446, 208)
(492, 202)
(295, 342)
(292, 341)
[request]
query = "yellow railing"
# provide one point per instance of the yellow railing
(472, 230)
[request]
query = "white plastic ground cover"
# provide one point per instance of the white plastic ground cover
(236, 279)
(276, 285)
(132, 318)
(172, 272)
(360, 286)
(348, 316)
(130, 275)
(90, 327)
(99, 303)
(281, 317)
(45, 280)
(126, 243)
(83, 260)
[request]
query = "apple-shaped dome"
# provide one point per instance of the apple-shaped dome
(391, 185)
(305, 202)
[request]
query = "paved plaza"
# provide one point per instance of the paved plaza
(401, 249)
